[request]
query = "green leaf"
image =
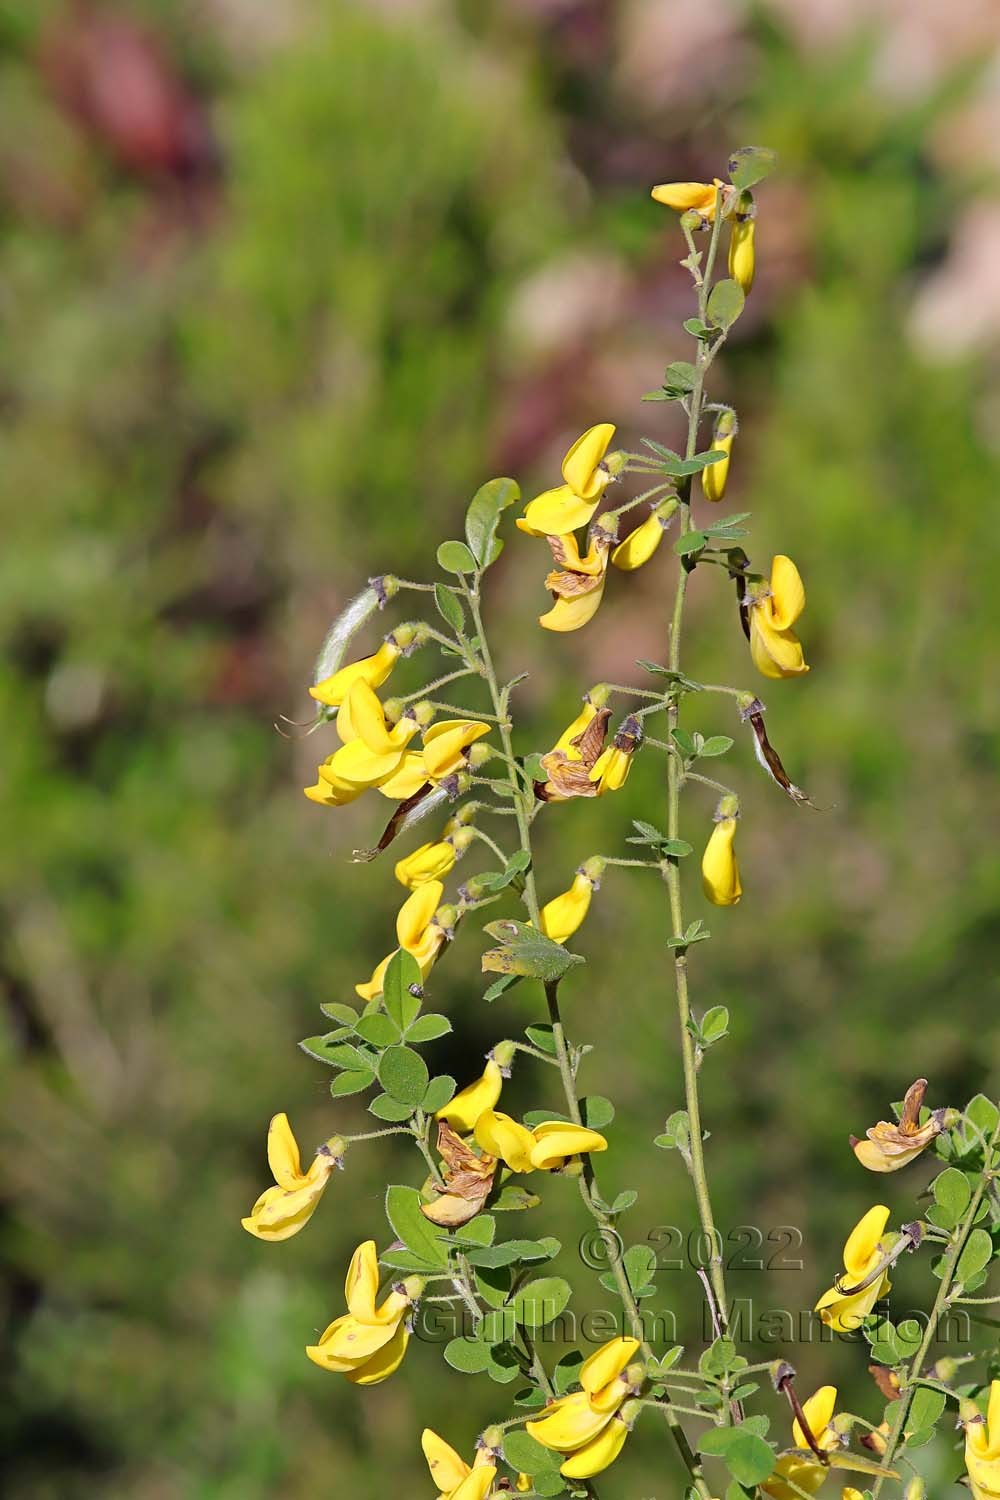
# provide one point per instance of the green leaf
(691, 541)
(496, 989)
(498, 1327)
(378, 1029)
(427, 1028)
(345, 1014)
(526, 952)
(402, 1209)
(478, 1231)
(751, 164)
(455, 557)
(725, 303)
(925, 1408)
(438, 1092)
(353, 1081)
(542, 1038)
(384, 1107)
(623, 1200)
(597, 1111)
(334, 1053)
(483, 517)
(672, 463)
(468, 1356)
(508, 1252)
(714, 1025)
(658, 395)
(640, 1265)
(747, 1457)
(952, 1191)
(449, 608)
(699, 329)
(976, 1255)
(676, 1132)
(401, 978)
(405, 1260)
(716, 744)
(403, 1074)
(679, 378)
(513, 1198)
(523, 1453)
(983, 1113)
(540, 1301)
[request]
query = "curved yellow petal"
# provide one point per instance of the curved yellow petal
(877, 1159)
(500, 1136)
(611, 769)
(346, 1343)
(640, 544)
(361, 1282)
(283, 1153)
(570, 1423)
(720, 874)
(384, 1362)
(477, 1485)
(788, 594)
(447, 1468)
(357, 765)
(372, 988)
(462, 1112)
(742, 257)
(573, 731)
(597, 1455)
(369, 724)
(818, 1412)
(775, 653)
(580, 467)
(371, 669)
(555, 1140)
(846, 1314)
(557, 512)
(445, 742)
(416, 912)
(429, 862)
(684, 195)
(571, 614)
(410, 777)
(863, 1242)
(561, 916)
(281, 1212)
(808, 1476)
(607, 1363)
(713, 479)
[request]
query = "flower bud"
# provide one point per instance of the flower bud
(713, 479)
(386, 587)
(742, 261)
(460, 839)
(413, 1286)
(460, 818)
(946, 1369)
(573, 1169)
(916, 1489)
(598, 695)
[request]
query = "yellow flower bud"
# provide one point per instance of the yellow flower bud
(685, 197)
(463, 1111)
(430, 862)
(713, 479)
(640, 544)
(742, 264)
(561, 917)
(720, 875)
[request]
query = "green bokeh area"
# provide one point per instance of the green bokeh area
(273, 345)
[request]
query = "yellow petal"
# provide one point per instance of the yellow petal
(806, 1475)
(876, 1159)
(580, 467)
(607, 1363)
(775, 653)
(372, 987)
(445, 742)
(281, 1212)
(573, 731)
(818, 1412)
(557, 512)
(570, 1423)
(462, 1112)
(863, 1242)
(720, 875)
(328, 796)
(788, 594)
(713, 479)
(639, 546)
(416, 911)
(598, 1454)
(477, 1485)
(684, 195)
(555, 1140)
(384, 1362)
(500, 1136)
(357, 765)
(447, 1468)
(361, 1284)
(845, 1314)
(408, 779)
(993, 1419)
(346, 1343)
(611, 769)
(368, 722)
(571, 614)
(283, 1153)
(429, 862)
(561, 917)
(371, 669)
(742, 259)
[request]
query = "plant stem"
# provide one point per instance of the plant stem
(674, 779)
(941, 1302)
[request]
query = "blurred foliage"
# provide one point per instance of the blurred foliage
(242, 371)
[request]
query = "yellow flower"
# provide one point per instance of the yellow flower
(445, 745)
(742, 260)
(376, 754)
(682, 196)
(720, 874)
(570, 761)
(982, 1446)
(370, 669)
(585, 1425)
(416, 931)
(890, 1146)
(610, 770)
(434, 860)
(561, 917)
(572, 504)
(640, 544)
(577, 582)
(282, 1210)
(455, 1479)
(462, 1112)
(330, 793)
(862, 1254)
(774, 646)
(547, 1148)
(368, 1342)
(801, 1469)
(713, 479)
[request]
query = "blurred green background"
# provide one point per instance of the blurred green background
(281, 285)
